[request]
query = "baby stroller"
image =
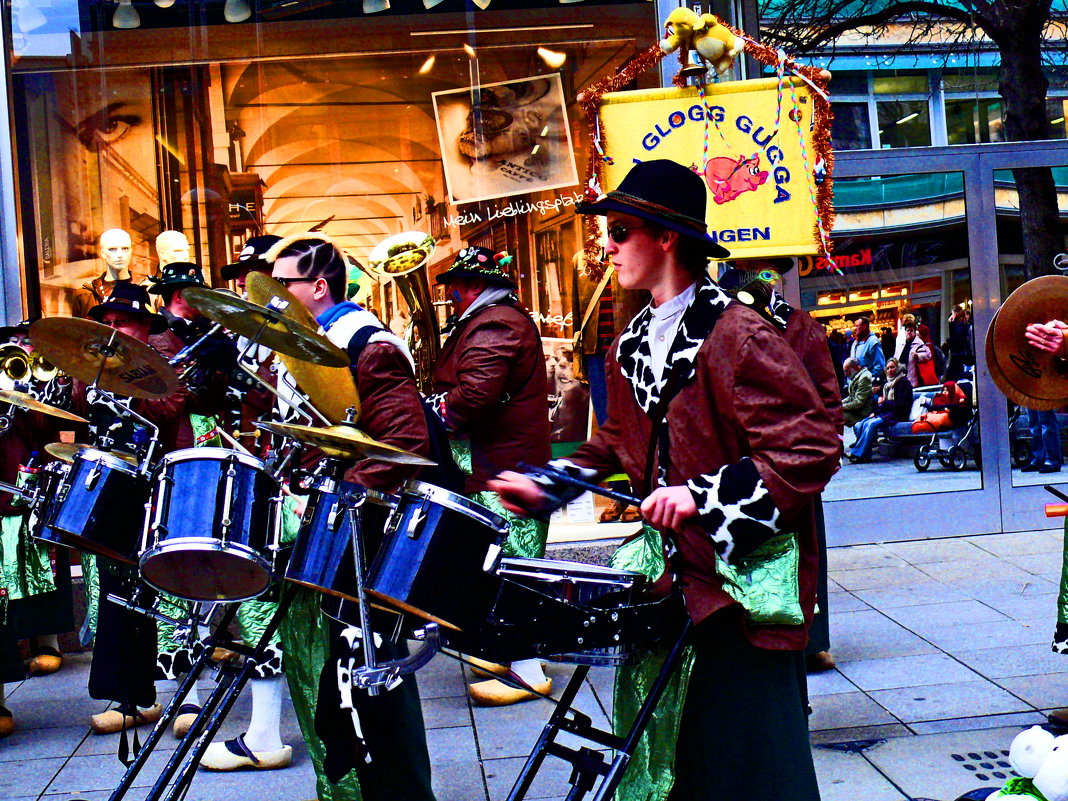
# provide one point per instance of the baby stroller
(953, 447)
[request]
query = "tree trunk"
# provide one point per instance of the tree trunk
(1023, 87)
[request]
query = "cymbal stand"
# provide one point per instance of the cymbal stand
(302, 400)
(587, 763)
(212, 713)
(188, 682)
(122, 409)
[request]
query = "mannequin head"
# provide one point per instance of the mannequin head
(172, 246)
(116, 249)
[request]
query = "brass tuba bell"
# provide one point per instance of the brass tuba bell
(15, 367)
(403, 257)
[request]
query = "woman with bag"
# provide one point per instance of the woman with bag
(926, 361)
(894, 406)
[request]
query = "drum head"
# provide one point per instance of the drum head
(202, 570)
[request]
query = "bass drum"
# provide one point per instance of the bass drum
(215, 526)
(322, 557)
(100, 507)
(438, 557)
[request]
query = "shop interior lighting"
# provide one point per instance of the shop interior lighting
(164, 3)
(374, 6)
(428, 65)
(236, 10)
(553, 58)
(429, 4)
(483, 4)
(469, 50)
(126, 16)
(907, 117)
(1057, 121)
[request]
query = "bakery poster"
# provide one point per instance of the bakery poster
(504, 139)
(758, 166)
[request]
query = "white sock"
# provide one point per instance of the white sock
(263, 728)
(193, 696)
(529, 670)
(49, 641)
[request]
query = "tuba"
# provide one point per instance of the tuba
(403, 258)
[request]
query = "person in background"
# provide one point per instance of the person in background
(859, 401)
(958, 346)
(888, 341)
(867, 349)
(895, 406)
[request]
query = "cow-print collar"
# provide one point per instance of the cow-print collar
(779, 310)
(635, 358)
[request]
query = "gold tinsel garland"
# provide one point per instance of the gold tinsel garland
(590, 100)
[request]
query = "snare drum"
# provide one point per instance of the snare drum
(322, 555)
(100, 507)
(438, 557)
(552, 604)
(215, 526)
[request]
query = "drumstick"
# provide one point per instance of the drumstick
(222, 433)
(564, 478)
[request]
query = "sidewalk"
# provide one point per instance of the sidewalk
(943, 655)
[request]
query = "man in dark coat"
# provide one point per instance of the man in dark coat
(491, 391)
(744, 447)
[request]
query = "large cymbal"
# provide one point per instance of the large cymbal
(265, 326)
(1026, 375)
(332, 390)
(66, 451)
(346, 441)
(24, 401)
(81, 348)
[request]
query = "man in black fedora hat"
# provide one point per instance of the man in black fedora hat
(740, 444)
(491, 391)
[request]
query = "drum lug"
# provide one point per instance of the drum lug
(493, 559)
(415, 522)
(333, 518)
(93, 477)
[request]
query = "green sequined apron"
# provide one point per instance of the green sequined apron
(26, 565)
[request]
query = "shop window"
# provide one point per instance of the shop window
(851, 129)
(904, 123)
(970, 122)
(901, 83)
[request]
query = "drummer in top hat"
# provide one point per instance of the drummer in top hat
(490, 389)
(744, 447)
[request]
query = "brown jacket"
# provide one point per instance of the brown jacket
(750, 397)
(492, 373)
(809, 342)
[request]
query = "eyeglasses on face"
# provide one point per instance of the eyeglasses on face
(296, 279)
(618, 232)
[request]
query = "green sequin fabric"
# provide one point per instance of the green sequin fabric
(649, 775)
(766, 582)
(526, 536)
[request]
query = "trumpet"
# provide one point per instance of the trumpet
(402, 258)
(14, 366)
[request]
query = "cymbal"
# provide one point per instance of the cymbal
(346, 441)
(332, 390)
(65, 452)
(1024, 374)
(80, 348)
(265, 326)
(24, 401)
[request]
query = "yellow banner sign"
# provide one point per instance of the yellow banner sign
(760, 198)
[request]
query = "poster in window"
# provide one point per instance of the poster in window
(503, 139)
(569, 398)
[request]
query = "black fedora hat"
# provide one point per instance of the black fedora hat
(132, 299)
(663, 192)
(176, 275)
(7, 332)
(479, 263)
(251, 257)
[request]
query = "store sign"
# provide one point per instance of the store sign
(753, 154)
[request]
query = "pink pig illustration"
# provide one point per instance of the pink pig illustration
(728, 178)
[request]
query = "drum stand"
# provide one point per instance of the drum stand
(211, 716)
(587, 763)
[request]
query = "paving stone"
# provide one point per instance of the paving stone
(924, 766)
(550, 782)
(950, 613)
(27, 777)
(870, 578)
(905, 671)
(1006, 634)
(450, 711)
(844, 601)
(451, 745)
(921, 552)
(846, 711)
(945, 701)
(30, 743)
(1042, 692)
(1047, 565)
(871, 635)
(859, 557)
(1025, 608)
(1018, 542)
(845, 776)
(857, 734)
(459, 780)
(829, 682)
(1023, 660)
(927, 591)
(1023, 719)
(965, 571)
